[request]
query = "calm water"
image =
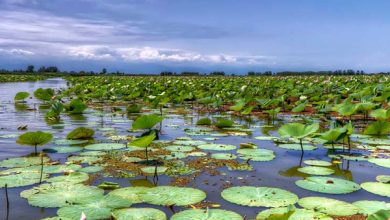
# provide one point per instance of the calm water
(271, 173)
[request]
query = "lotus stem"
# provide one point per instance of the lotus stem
(40, 178)
(300, 141)
(35, 148)
(7, 199)
(146, 154)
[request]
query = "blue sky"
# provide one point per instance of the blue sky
(196, 35)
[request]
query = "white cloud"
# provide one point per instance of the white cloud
(17, 52)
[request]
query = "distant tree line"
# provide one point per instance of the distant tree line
(30, 69)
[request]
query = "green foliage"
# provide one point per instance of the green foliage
(204, 121)
(76, 106)
(55, 111)
(144, 141)
(81, 133)
(21, 96)
(378, 128)
(334, 135)
(147, 121)
(380, 114)
(300, 107)
(297, 130)
(35, 139)
(224, 123)
(133, 108)
(44, 94)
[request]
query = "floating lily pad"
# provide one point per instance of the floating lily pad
(259, 196)
(62, 150)
(94, 209)
(328, 185)
(223, 156)
(179, 148)
(383, 178)
(93, 153)
(291, 213)
(174, 156)
(84, 159)
(367, 207)
(49, 169)
(132, 159)
(189, 142)
(197, 154)
(105, 146)
(382, 189)
(383, 162)
(320, 163)
(70, 142)
(71, 178)
(375, 141)
(297, 146)
(138, 214)
(217, 147)
(206, 214)
(313, 170)
(23, 162)
(328, 206)
(60, 195)
(133, 194)
(152, 169)
(109, 185)
(172, 195)
(21, 179)
(266, 138)
(256, 154)
(383, 147)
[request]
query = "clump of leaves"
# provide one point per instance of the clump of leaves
(20, 96)
(56, 109)
(297, 130)
(80, 133)
(44, 94)
(147, 121)
(34, 139)
(224, 123)
(76, 106)
(204, 121)
(378, 128)
(144, 142)
(134, 108)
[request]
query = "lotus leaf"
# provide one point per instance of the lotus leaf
(328, 185)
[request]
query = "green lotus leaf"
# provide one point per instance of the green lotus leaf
(70, 142)
(328, 185)
(206, 214)
(382, 189)
(80, 133)
(217, 147)
(328, 206)
(49, 169)
(22, 162)
(383, 147)
(259, 196)
(144, 141)
(84, 159)
(105, 146)
(197, 154)
(291, 213)
(71, 178)
(320, 163)
(297, 130)
(147, 121)
(204, 121)
(91, 169)
(60, 195)
(133, 194)
(223, 156)
(21, 96)
(189, 142)
(94, 209)
(256, 154)
(174, 156)
(62, 150)
(297, 146)
(93, 153)
(375, 141)
(109, 185)
(138, 214)
(380, 215)
(152, 169)
(172, 195)
(378, 128)
(21, 179)
(178, 148)
(383, 178)
(367, 207)
(266, 138)
(383, 162)
(313, 170)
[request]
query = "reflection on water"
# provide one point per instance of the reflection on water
(281, 172)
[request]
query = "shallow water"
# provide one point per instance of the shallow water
(264, 173)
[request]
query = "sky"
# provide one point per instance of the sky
(235, 36)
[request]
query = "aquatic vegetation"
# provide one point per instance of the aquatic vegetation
(20, 96)
(297, 130)
(328, 185)
(76, 106)
(209, 214)
(35, 139)
(204, 121)
(328, 206)
(44, 94)
(139, 213)
(80, 133)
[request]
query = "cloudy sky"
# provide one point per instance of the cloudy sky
(196, 35)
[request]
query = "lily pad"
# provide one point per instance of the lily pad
(217, 147)
(94, 209)
(172, 195)
(291, 213)
(367, 207)
(62, 150)
(328, 206)
(71, 178)
(70, 142)
(297, 146)
(60, 195)
(382, 189)
(23, 162)
(328, 185)
(256, 154)
(152, 169)
(105, 146)
(189, 142)
(259, 196)
(383, 178)
(139, 214)
(320, 163)
(313, 170)
(91, 169)
(383, 162)
(197, 154)
(21, 179)
(84, 159)
(133, 194)
(178, 148)
(223, 156)
(206, 214)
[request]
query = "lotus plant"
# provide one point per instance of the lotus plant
(298, 131)
(34, 139)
